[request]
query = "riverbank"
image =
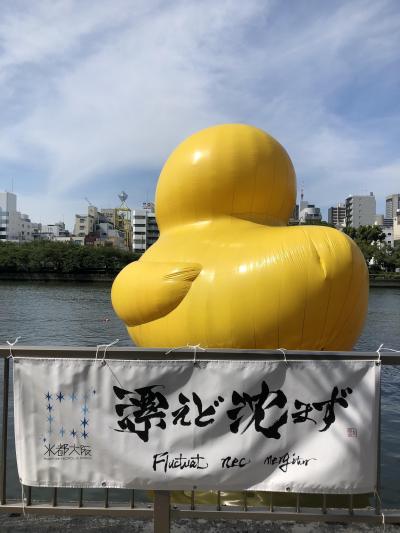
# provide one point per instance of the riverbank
(389, 283)
(84, 276)
(108, 277)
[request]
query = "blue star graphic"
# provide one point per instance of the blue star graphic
(60, 396)
(85, 410)
(50, 419)
(62, 431)
(73, 433)
(84, 422)
(84, 434)
(48, 396)
(49, 407)
(73, 396)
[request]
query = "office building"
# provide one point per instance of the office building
(14, 226)
(95, 229)
(392, 205)
(337, 215)
(360, 210)
(51, 232)
(383, 222)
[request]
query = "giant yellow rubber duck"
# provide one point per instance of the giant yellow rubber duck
(227, 271)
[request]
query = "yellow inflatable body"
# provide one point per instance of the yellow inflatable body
(227, 271)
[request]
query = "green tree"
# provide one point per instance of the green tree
(47, 256)
(371, 241)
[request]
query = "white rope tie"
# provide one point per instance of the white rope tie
(11, 344)
(105, 346)
(382, 514)
(283, 351)
(382, 347)
(23, 500)
(378, 351)
(194, 347)
(108, 346)
(388, 349)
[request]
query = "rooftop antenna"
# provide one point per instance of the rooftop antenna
(88, 201)
(12, 184)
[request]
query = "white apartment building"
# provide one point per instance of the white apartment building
(145, 229)
(360, 210)
(337, 215)
(85, 224)
(396, 228)
(51, 232)
(14, 226)
(389, 238)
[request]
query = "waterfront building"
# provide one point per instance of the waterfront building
(360, 210)
(383, 222)
(121, 219)
(14, 226)
(145, 229)
(392, 205)
(51, 232)
(396, 228)
(85, 224)
(337, 215)
(309, 213)
(95, 229)
(389, 238)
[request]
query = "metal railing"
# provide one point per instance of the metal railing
(160, 509)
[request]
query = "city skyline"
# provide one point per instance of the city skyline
(94, 99)
(372, 213)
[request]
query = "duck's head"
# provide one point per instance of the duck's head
(227, 170)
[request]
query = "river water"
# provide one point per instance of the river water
(81, 315)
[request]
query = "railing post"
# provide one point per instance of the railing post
(4, 434)
(378, 503)
(161, 511)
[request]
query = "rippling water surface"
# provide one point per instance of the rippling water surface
(81, 315)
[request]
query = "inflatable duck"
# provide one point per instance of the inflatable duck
(227, 271)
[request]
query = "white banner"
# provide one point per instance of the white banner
(223, 425)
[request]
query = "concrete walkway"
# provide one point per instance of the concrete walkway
(18, 523)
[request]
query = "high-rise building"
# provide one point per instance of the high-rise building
(337, 215)
(14, 226)
(392, 205)
(360, 210)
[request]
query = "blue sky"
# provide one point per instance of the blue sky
(95, 95)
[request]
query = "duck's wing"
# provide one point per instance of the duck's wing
(144, 291)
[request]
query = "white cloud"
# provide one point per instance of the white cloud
(116, 85)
